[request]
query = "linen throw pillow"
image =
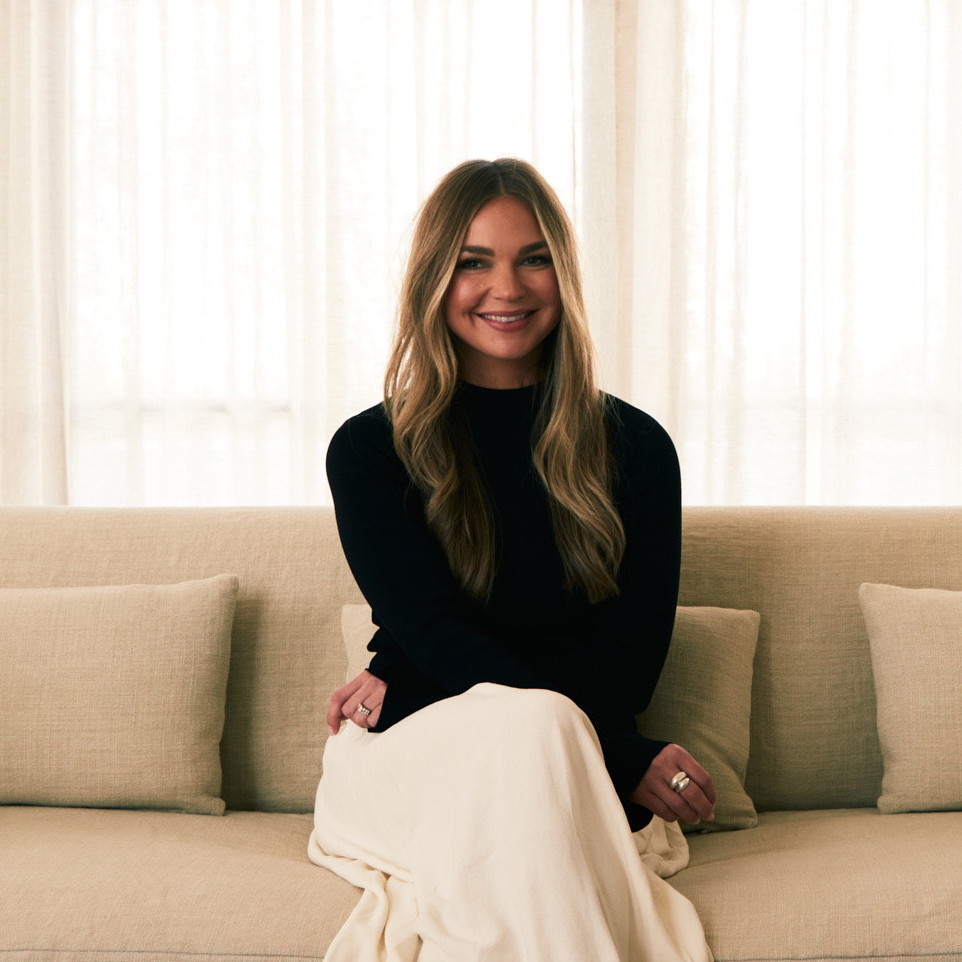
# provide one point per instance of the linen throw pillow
(703, 703)
(915, 638)
(703, 699)
(113, 697)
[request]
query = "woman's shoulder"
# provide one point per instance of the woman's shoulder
(630, 424)
(362, 437)
(642, 448)
(372, 420)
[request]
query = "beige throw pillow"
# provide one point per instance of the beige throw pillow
(915, 637)
(703, 699)
(113, 697)
(703, 703)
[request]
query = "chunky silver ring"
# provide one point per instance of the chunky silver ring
(363, 709)
(680, 782)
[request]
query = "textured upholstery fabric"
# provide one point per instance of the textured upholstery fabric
(122, 886)
(703, 702)
(814, 742)
(114, 696)
(820, 885)
(915, 637)
(286, 651)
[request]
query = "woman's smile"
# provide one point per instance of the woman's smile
(506, 321)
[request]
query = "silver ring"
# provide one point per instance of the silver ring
(680, 782)
(363, 709)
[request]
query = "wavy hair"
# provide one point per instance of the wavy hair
(570, 447)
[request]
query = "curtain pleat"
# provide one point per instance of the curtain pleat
(34, 235)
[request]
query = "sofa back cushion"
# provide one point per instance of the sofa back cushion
(813, 731)
(814, 741)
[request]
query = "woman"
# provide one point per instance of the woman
(517, 534)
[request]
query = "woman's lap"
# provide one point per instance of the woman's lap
(495, 812)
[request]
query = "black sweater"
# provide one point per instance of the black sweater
(433, 641)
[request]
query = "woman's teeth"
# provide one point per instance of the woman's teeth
(506, 318)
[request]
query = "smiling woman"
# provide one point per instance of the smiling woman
(517, 534)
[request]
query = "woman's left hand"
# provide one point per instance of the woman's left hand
(694, 803)
(366, 691)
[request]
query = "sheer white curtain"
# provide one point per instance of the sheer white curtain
(204, 207)
(789, 231)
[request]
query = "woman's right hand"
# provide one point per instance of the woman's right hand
(364, 691)
(695, 803)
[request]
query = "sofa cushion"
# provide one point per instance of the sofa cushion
(703, 699)
(915, 637)
(833, 884)
(126, 886)
(114, 696)
(703, 702)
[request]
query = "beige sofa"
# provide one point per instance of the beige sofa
(822, 875)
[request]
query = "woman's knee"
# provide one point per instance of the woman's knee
(533, 708)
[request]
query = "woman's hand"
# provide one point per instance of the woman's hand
(364, 691)
(695, 803)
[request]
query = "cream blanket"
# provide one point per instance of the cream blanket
(485, 827)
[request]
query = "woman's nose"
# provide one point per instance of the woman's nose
(506, 284)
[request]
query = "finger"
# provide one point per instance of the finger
(366, 720)
(368, 697)
(683, 805)
(701, 789)
(360, 714)
(335, 713)
(695, 804)
(704, 781)
(690, 805)
(648, 799)
(335, 710)
(371, 696)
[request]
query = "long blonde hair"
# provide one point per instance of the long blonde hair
(570, 451)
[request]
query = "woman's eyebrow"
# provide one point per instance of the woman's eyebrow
(487, 252)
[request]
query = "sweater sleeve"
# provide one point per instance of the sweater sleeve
(402, 571)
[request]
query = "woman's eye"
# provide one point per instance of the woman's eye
(537, 260)
(470, 264)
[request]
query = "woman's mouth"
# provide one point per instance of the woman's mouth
(505, 318)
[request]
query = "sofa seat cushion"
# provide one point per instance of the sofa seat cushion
(148, 886)
(836, 884)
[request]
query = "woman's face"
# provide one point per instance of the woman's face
(503, 300)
